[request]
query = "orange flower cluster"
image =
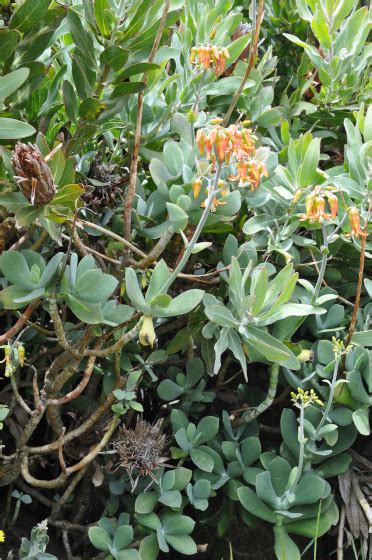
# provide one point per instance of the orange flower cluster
(209, 56)
(250, 172)
(316, 205)
(234, 144)
(316, 209)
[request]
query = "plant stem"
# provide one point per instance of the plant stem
(195, 105)
(20, 323)
(330, 398)
(359, 288)
(16, 512)
(197, 232)
(273, 385)
(301, 439)
(323, 266)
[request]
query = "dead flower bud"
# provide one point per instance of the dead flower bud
(141, 449)
(33, 174)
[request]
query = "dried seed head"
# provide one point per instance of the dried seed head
(33, 174)
(140, 450)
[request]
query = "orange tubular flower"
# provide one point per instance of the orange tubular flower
(354, 220)
(311, 210)
(333, 204)
(320, 209)
(221, 143)
(254, 176)
(197, 184)
(200, 140)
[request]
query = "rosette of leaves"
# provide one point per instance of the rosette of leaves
(114, 537)
(352, 393)
(29, 275)
(156, 302)
(189, 386)
(326, 448)
(304, 508)
(167, 492)
(232, 462)
(172, 530)
(192, 438)
(87, 289)
(254, 303)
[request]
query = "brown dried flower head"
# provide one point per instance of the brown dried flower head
(33, 174)
(140, 449)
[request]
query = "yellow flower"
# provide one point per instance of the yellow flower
(2, 536)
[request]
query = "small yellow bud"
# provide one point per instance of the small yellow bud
(192, 116)
(147, 336)
(21, 355)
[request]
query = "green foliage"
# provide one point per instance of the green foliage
(35, 547)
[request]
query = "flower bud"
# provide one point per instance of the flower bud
(192, 116)
(21, 355)
(196, 186)
(296, 196)
(147, 336)
(8, 354)
(193, 54)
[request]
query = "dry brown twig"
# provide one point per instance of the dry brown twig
(129, 197)
(20, 323)
(251, 61)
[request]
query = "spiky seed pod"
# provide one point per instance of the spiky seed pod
(140, 450)
(33, 174)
